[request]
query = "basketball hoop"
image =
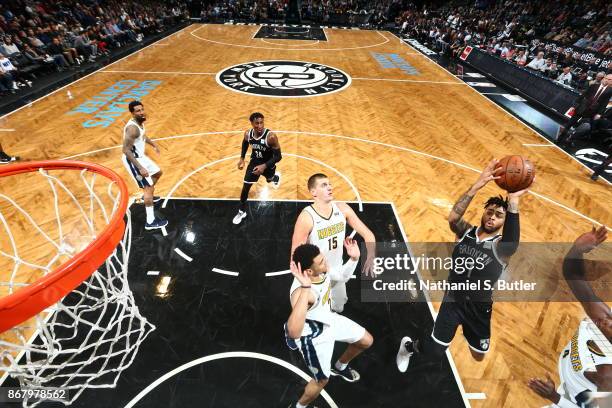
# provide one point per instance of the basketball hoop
(68, 318)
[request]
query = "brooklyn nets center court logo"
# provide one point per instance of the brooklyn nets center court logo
(284, 79)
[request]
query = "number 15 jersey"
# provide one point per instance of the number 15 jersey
(328, 234)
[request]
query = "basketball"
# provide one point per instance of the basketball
(517, 174)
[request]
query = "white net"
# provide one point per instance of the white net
(93, 334)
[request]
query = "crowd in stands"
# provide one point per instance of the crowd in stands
(39, 37)
(561, 40)
(311, 11)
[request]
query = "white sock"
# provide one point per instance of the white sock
(150, 214)
(340, 366)
(298, 405)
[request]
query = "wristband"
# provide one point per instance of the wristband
(305, 287)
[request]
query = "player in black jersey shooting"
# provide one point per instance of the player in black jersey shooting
(265, 153)
(488, 252)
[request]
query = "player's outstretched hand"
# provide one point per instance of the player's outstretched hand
(488, 174)
(240, 164)
(589, 240)
(544, 388)
(367, 269)
(352, 249)
(144, 172)
(300, 275)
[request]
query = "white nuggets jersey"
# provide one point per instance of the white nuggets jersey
(328, 234)
(138, 149)
(320, 310)
(587, 348)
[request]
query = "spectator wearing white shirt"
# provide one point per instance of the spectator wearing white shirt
(565, 77)
(520, 58)
(8, 48)
(7, 81)
(7, 68)
(538, 63)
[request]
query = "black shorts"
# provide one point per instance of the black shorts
(475, 319)
(251, 178)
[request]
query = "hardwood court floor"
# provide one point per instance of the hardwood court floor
(415, 140)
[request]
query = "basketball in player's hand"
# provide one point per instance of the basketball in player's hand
(516, 173)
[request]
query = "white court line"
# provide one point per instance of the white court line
(289, 45)
(224, 272)
(233, 354)
(288, 49)
(506, 112)
(292, 200)
(181, 181)
(476, 395)
(167, 137)
(416, 152)
(152, 273)
(410, 80)
(95, 72)
(432, 311)
(214, 73)
(157, 72)
(268, 274)
(183, 255)
(7, 130)
(538, 145)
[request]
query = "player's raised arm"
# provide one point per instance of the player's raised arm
(368, 236)
(573, 272)
(511, 235)
(300, 301)
(347, 270)
(455, 219)
(302, 229)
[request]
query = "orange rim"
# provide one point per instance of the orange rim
(48, 290)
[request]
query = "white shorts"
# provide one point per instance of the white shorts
(317, 351)
(145, 162)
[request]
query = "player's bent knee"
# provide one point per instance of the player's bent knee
(366, 341)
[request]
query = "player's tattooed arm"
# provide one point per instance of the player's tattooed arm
(455, 219)
(128, 143)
